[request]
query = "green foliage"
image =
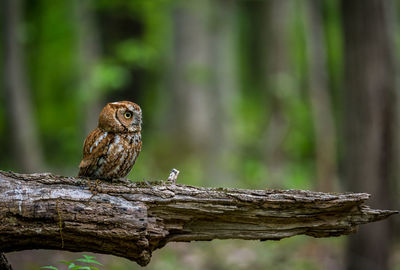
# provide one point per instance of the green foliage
(72, 264)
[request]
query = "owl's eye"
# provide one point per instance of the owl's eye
(127, 115)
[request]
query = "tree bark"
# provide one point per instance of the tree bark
(133, 219)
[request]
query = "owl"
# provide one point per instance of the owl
(110, 150)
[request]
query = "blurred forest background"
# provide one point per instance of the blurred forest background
(288, 94)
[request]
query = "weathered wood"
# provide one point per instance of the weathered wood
(131, 220)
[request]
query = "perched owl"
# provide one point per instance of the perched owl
(110, 150)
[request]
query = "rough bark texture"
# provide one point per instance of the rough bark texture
(131, 220)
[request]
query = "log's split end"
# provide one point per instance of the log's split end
(133, 219)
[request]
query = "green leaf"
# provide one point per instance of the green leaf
(71, 266)
(65, 262)
(88, 261)
(49, 267)
(88, 257)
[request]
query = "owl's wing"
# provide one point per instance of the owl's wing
(95, 147)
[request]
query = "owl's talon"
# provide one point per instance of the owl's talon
(121, 180)
(94, 189)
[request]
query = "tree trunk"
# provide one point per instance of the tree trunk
(192, 110)
(276, 67)
(89, 52)
(203, 86)
(132, 220)
(225, 89)
(324, 126)
(23, 134)
(369, 141)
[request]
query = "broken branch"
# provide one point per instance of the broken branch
(133, 219)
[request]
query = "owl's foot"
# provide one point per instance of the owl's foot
(147, 183)
(94, 189)
(121, 180)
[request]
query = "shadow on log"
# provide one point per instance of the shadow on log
(44, 211)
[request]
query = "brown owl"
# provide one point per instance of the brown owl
(110, 150)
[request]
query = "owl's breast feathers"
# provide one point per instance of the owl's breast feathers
(108, 155)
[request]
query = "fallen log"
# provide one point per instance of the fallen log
(45, 211)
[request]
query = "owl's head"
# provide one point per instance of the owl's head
(121, 116)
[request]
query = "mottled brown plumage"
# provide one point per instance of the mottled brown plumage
(110, 150)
